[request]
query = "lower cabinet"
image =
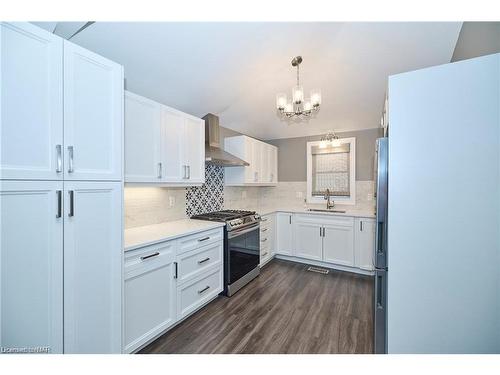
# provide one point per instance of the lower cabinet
(93, 258)
(364, 243)
(284, 233)
(267, 238)
(338, 243)
(308, 238)
(335, 240)
(150, 306)
(61, 266)
(165, 283)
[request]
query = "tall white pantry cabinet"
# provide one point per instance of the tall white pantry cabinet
(61, 195)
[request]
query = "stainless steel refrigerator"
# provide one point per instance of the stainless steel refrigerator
(380, 302)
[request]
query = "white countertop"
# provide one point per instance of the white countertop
(151, 234)
(367, 213)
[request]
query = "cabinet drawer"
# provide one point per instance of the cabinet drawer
(192, 295)
(195, 262)
(148, 257)
(325, 219)
(194, 241)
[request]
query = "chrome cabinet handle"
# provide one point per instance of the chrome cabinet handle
(203, 260)
(204, 289)
(290, 217)
(264, 254)
(203, 239)
(263, 219)
(70, 159)
(176, 270)
(59, 158)
(189, 172)
(361, 226)
(150, 255)
(185, 172)
(59, 203)
(263, 230)
(71, 203)
(159, 170)
(263, 240)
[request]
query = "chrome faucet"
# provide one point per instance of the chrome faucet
(329, 203)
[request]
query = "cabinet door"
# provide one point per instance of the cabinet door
(30, 103)
(272, 155)
(257, 158)
(31, 267)
(308, 239)
(194, 149)
(338, 244)
(172, 146)
(93, 115)
(264, 173)
(142, 139)
(284, 239)
(93, 259)
(150, 299)
(364, 243)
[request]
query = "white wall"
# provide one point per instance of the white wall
(444, 208)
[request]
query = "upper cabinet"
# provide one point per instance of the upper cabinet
(31, 106)
(93, 115)
(162, 145)
(262, 157)
(61, 109)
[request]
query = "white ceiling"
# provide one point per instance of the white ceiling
(235, 69)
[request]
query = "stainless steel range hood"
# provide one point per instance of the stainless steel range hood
(213, 153)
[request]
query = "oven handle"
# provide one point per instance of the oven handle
(239, 232)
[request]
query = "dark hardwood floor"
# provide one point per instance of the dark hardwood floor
(287, 309)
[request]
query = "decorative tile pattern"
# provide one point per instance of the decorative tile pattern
(208, 197)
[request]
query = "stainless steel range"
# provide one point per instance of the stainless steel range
(241, 246)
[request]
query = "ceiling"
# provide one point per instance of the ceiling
(234, 70)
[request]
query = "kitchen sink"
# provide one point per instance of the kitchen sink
(325, 210)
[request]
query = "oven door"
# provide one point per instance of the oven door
(243, 251)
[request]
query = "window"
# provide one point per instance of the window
(331, 167)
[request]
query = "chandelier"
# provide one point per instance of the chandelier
(330, 138)
(298, 107)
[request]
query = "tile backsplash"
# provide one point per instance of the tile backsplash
(208, 197)
(152, 205)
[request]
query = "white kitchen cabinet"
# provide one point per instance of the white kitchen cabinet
(166, 282)
(150, 293)
(31, 103)
(93, 115)
(272, 160)
(93, 259)
(31, 267)
(338, 243)
(364, 243)
(308, 233)
(284, 233)
(171, 143)
(171, 149)
(194, 149)
(142, 134)
(267, 238)
(262, 170)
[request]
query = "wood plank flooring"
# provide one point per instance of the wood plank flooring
(287, 309)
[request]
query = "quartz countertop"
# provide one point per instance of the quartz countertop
(367, 213)
(152, 234)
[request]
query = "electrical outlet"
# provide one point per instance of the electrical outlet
(298, 194)
(243, 194)
(171, 201)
